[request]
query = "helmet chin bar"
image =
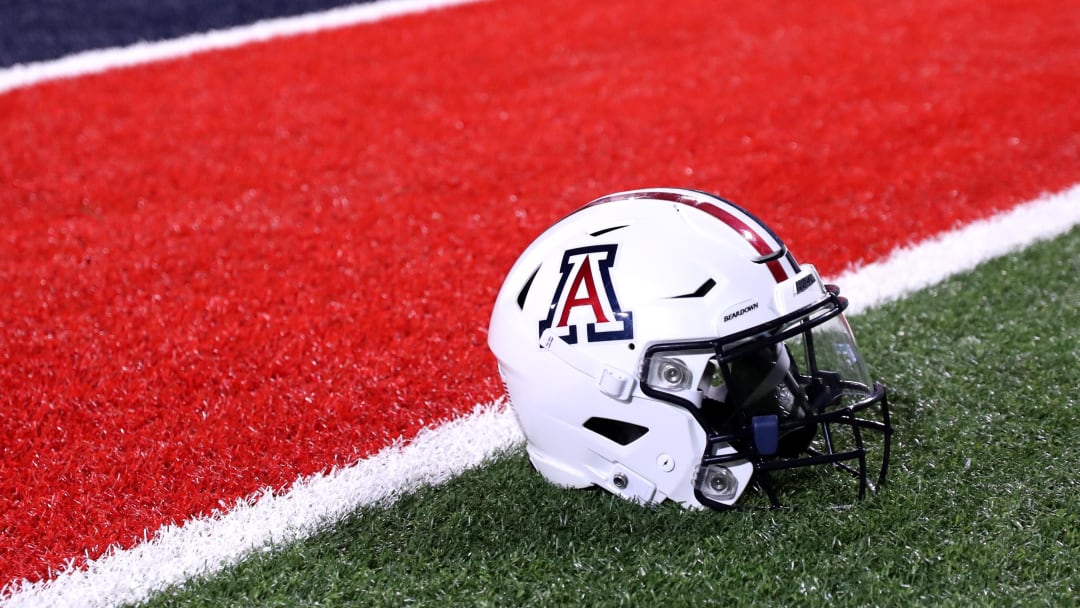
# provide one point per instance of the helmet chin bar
(779, 434)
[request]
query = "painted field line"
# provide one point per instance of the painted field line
(101, 60)
(912, 268)
(205, 545)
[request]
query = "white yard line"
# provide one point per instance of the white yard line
(205, 545)
(101, 60)
(934, 260)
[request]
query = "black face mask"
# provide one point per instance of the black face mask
(787, 394)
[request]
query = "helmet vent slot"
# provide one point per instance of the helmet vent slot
(700, 292)
(607, 230)
(524, 293)
(621, 432)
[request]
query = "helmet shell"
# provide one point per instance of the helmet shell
(587, 299)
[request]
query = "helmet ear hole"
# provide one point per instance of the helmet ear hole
(619, 431)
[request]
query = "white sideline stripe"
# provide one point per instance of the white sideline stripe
(100, 60)
(204, 545)
(913, 268)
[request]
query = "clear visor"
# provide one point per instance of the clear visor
(808, 365)
(828, 354)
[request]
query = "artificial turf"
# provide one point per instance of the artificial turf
(980, 508)
(239, 267)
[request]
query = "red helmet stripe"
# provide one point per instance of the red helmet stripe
(734, 222)
(751, 237)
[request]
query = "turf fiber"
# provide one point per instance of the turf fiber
(980, 507)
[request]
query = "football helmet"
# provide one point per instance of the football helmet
(665, 344)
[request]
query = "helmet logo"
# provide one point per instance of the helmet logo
(586, 297)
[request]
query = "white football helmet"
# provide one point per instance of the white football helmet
(664, 344)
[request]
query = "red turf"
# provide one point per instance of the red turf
(228, 271)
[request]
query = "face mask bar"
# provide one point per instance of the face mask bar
(801, 400)
(759, 441)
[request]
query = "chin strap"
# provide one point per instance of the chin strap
(612, 382)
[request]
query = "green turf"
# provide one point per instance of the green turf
(981, 508)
